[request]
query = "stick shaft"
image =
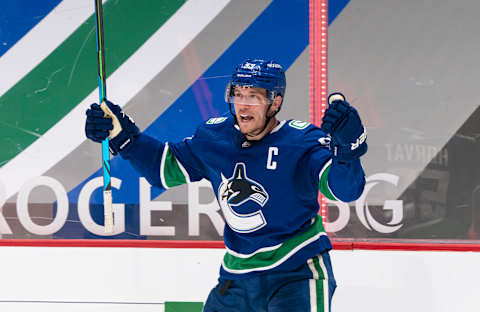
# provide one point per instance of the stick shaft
(102, 89)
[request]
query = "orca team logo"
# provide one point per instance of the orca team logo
(237, 190)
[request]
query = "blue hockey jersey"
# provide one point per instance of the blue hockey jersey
(267, 190)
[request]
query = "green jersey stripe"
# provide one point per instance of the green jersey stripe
(272, 258)
(172, 173)
(322, 289)
(323, 184)
(236, 254)
(318, 285)
(319, 266)
(321, 284)
(56, 85)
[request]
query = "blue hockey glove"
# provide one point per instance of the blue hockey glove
(342, 122)
(108, 120)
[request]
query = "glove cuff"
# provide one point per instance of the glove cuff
(345, 153)
(124, 140)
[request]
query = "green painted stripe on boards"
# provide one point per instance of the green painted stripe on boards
(63, 79)
(183, 306)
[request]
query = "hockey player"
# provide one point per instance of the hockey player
(266, 175)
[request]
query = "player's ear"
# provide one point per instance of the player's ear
(277, 102)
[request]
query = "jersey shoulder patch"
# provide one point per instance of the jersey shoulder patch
(306, 133)
(298, 124)
(215, 120)
(215, 127)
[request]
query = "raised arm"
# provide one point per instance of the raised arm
(161, 164)
(348, 142)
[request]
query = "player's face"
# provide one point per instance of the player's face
(250, 108)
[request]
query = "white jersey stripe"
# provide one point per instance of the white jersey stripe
(313, 295)
(326, 296)
(312, 268)
(239, 255)
(280, 125)
(162, 166)
(315, 283)
(327, 164)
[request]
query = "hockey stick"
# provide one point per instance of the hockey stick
(102, 85)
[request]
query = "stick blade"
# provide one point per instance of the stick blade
(108, 211)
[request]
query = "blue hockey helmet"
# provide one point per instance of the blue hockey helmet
(268, 75)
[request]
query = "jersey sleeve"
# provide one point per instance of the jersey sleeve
(164, 164)
(336, 181)
(345, 181)
(183, 163)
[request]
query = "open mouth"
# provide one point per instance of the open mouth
(245, 118)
